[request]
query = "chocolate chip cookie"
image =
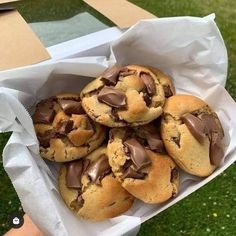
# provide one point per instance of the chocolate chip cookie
(165, 81)
(137, 157)
(192, 134)
(63, 129)
(90, 190)
(124, 96)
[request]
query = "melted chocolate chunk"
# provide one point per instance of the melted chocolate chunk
(153, 139)
(110, 76)
(210, 123)
(167, 91)
(126, 149)
(114, 114)
(195, 125)
(74, 173)
(71, 106)
(99, 169)
(131, 173)
(174, 175)
(94, 92)
(149, 83)
(86, 163)
(155, 143)
(147, 99)
(216, 149)
(44, 113)
(126, 72)
(203, 125)
(44, 139)
(80, 200)
(127, 164)
(89, 125)
(215, 135)
(176, 140)
(65, 127)
(112, 97)
(138, 153)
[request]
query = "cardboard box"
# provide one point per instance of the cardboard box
(19, 46)
(18, 39)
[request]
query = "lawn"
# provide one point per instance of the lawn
(210, 210)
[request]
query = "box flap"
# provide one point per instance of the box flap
(6, 1)
(123, 13)
(19, 46)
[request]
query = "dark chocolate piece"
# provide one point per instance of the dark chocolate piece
(209, 127)
(80, 200)
(216, 149)
(89, 125)
(99, 169)
(131, 173)
(214, 134)
(147, 99)
(149, 83)
(167, 91)
(71, 106)
(176, 140)
(138, 153)
(112, 97)
(210, 123)
(86, 163)
(127, 151)
(65, 127)
(174, 175)
(126, 72)
(44, 113)
(110, 76)
(74, 173)
(195, 125)
(155, 143)
(153, 139)
(114, 114)
(127, 164)
(44, 139)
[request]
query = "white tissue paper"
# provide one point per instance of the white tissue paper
(189, 49)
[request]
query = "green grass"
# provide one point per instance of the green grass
(210, 210)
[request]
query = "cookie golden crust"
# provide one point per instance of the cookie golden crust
(192, 134)
(63, 129)
(128, 96)
(155, 178)
(94, 201)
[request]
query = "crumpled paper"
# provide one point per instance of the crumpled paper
(189, 49)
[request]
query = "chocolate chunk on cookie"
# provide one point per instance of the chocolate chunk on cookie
(64, 130)
(137, 157)
(165, 81)
(112, 97)
(133, 91)
(90, 190)
(197, 128)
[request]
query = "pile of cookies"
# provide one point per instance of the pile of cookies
(124, 137)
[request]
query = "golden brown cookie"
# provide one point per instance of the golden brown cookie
(127, 96)
(137, 157)
(192, 134)
(90, 190)
(64, 130)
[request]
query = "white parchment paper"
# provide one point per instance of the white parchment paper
(190, 49)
